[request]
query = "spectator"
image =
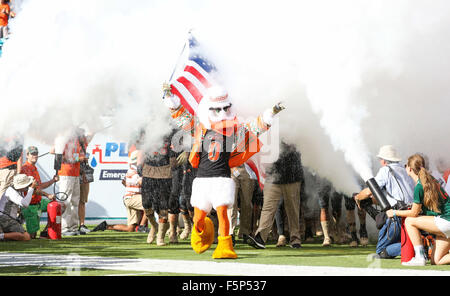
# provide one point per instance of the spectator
(32, 213)
(132, 200)
(5, 12)
(86, 177)
(11, 200)
(244, 178)
(10, 161)
(157, 185)
(433, 202)
(69, 180)
(399, 187)
(283, 179)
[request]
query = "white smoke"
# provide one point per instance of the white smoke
(354, 74)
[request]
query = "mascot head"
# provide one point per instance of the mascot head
(215, 108)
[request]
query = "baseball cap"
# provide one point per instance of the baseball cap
(32, 150)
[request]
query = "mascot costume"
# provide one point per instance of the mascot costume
(220, 143)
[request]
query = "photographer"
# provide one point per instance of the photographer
(399, 190)
(433, 202)
(10, 202)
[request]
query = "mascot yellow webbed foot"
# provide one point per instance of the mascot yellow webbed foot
(203, 234)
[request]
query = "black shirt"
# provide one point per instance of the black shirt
(161, 157)
(214, 155)
(288, 168)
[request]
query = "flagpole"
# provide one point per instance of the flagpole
(179, 59)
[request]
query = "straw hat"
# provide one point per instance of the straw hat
(133, 157)
(21, 181)
(388, 152)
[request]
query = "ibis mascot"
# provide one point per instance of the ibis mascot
(220, 143)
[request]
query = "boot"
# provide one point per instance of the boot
(187, 227)
(351, 229)
(201, 241)
(224, 249)
(325, 229)
(154, 226)
(281, 241)
(162, 229)
(173, 221)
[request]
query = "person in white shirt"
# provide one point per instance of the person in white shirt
(16, 196)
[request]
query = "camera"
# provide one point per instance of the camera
(366, 205)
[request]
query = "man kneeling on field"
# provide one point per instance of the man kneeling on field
(11, 201)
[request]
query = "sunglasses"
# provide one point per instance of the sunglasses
(217, 110)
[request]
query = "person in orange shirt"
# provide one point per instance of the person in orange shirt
(69, 180)
(37, 205)
(5, 12)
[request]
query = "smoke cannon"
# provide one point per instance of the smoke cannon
(378, 194)
(57, 163)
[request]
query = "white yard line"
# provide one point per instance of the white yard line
(76, 262)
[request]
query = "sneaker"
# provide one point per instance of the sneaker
(44, 234)
(142, 229)
(256, 242)
(70, 233)
(296, 246)
(383, 255)
(415, 261)
(83, 229)
(245, 238)
(100, 227)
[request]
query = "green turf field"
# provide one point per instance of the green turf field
(133, 245)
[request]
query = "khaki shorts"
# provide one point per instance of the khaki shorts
(134, 209)
(8, 224)
(84, 192)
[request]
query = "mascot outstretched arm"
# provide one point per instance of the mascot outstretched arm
(220, 143)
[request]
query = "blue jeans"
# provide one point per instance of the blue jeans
(389, 237)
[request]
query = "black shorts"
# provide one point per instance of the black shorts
(324, 199)
(156, 193)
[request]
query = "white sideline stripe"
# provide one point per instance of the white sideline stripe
(201, 267)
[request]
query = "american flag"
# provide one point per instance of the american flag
(196, 78)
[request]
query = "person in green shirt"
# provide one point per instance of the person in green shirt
(430, 212)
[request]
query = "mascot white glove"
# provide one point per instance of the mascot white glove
(171, 101)
(270, 113)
